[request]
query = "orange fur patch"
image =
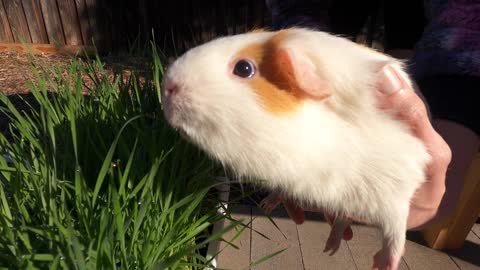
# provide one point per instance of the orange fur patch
(274, 81)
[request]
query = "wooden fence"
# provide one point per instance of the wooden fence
(121, 24)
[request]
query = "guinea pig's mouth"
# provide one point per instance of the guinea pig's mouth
(178, 127)
(174, 114)
(178, 120)
(184, 119)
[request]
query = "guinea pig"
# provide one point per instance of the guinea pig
(297, 108)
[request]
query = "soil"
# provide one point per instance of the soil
(16, 72)
(15, 68)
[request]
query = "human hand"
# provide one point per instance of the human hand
(396, 96)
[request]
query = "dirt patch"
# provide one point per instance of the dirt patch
(16, 68)
(16, 72)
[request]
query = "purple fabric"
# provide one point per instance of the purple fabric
(451, 41)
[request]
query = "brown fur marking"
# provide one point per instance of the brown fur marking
(275, 81)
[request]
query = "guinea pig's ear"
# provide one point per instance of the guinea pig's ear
(301, 73)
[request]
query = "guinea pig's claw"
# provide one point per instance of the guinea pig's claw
(332, 245)
(269, 203)
(332, 252)
(267, 207)
(336, 234)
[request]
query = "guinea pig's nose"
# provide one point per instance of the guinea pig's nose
(171, 88)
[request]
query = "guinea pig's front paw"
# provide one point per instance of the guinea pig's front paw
(270, 202)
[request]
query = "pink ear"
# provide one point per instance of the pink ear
(303, 73)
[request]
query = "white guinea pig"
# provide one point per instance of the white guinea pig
(297, 108)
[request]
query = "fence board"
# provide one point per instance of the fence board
(115, 24)
(84, 23)
(17, 20)
(258, 10)
(93, 17)
(100, 23)
(52, 22)
(240, 12)
(5, 31)
(71, 25)
(35, 22)
(221, 25)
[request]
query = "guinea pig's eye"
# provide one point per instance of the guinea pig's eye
(244, 69)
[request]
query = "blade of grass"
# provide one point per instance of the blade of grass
(107, 162)
(265, 258)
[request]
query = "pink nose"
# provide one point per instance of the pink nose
(171, 88)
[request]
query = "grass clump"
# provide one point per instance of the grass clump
(99, 181)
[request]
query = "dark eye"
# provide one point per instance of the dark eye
(244, 69)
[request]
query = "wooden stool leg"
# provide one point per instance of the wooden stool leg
(452, 233)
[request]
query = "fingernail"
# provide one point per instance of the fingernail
(391, 82)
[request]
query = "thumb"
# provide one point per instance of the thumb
(396, 96)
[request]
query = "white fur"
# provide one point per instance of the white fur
(342, 154)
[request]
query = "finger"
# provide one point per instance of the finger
(295, 212)
(395, 95)
(391, 82)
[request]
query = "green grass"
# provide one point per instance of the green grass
(100, 181)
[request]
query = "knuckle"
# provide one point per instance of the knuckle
(418, 108)
(444, 153)
(415, 111)
(411, 107)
